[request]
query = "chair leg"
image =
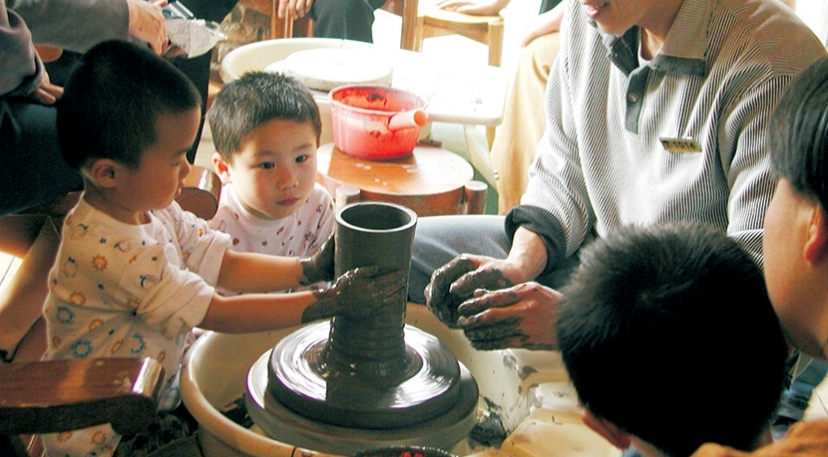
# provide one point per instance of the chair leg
(410, 25)
(419, 34)
(495, 43)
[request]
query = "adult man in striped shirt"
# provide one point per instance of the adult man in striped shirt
(656, 112)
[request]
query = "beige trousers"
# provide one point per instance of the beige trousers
(524, 120)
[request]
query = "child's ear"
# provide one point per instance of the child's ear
(221, 168)
(816, 247)
(608, 430)
(104, 172)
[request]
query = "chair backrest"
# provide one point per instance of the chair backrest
(62, 395)
(201, 192)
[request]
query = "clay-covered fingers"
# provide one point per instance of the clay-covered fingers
(502, 335)
(319, 266)
(522, 316)
(488, 276)
(363, 291)
(438, 295)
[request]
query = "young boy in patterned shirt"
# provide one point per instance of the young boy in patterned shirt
(135, 273)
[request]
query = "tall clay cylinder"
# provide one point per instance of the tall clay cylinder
(373, 347)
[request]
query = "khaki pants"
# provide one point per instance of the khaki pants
(524, 120)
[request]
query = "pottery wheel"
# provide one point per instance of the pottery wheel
(285, 425)
(300, 379)
(326, 68)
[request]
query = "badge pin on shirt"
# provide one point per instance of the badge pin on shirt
(680, 144)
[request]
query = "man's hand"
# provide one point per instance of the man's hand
(457, 281)
(48, 53)
(294, 8)
(474, 7)
(320, 266)
(146, 23)
(47, 93)
(359, 292)
(522, 316)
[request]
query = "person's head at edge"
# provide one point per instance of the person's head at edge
(659, 330)
(796, 223)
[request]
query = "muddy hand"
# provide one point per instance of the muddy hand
(357, 293)
(522, 316)
(456, 281)
(320, 266)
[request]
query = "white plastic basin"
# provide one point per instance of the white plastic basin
(529, 389)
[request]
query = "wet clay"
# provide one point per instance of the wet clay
(374, 372)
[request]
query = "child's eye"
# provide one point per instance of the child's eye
(267, 165)
(302, 158)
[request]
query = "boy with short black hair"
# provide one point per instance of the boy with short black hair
(659, 328)
(134, 273)
(266, 128)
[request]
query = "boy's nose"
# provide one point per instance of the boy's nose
(186, 167)
(287, 179)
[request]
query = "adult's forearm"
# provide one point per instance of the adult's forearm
(74, 25)
(528, 253)
(21, 72)
(251, 272)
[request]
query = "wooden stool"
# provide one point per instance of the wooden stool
(432, 181)
(434, 22)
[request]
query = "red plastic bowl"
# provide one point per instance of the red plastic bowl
(376, 122)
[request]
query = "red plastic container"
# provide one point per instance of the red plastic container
(376, 122)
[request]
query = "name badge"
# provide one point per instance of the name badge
(680, 144)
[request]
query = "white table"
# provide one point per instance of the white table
(461, 94)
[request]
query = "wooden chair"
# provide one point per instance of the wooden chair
(289, 28)
(47, 397)
(201, 192)
(434, 22)
(62, 395)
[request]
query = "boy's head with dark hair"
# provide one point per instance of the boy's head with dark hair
(795, 245)
(661, 329)
(799, 133)
(266, 129)
(256, 98)
(126, 120)
(113, 101)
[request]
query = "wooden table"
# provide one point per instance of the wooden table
(431, 181)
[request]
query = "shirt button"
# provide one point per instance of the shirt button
(632, 98)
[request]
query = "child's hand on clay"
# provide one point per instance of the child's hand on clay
(357, 293)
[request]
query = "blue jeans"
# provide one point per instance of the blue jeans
(345, 19)
(796, 398)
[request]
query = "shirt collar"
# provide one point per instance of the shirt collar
(683, 52)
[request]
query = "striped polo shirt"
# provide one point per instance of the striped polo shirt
(678, 138)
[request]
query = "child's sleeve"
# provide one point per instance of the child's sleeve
(202, 247)
(170, 299)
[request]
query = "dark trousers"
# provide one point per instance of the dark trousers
(34, 171)
(345, 19)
